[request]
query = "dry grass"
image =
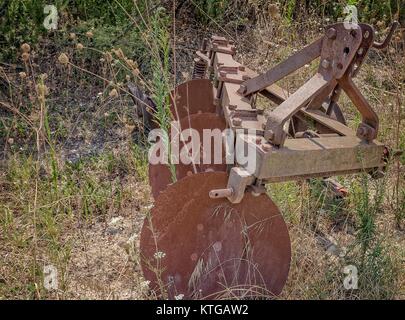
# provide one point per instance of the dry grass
(70, 166)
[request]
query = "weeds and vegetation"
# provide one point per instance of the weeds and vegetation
(73, 156)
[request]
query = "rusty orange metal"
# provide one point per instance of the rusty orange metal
(191, 97)
(214, 232)
(203, 248)
(160, 175)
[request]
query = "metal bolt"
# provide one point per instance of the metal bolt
(325, 63)
(242, 89)
(270, 134)
(331, 33)
(362, 132)
(220, 193)
(237, 122)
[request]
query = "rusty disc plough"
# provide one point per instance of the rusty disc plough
(213, 231)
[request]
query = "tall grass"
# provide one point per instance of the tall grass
(49, 200)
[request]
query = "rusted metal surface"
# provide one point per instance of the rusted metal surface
(209, 228)
(339, 46)
(318, 157)
(384, 44)
(291, 64)
(191, 97)
(160, 175)
(145, 106)
(211, 248)
(277, 119)
(368, 129)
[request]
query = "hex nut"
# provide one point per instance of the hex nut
(237, 122)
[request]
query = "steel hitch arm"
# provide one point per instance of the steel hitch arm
(387, 40)
(342, 52)
(338, 48)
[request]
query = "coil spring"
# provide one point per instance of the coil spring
(200, 68)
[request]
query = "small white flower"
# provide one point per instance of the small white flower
(159, 255)
(115, 220)
(145, 284)
(179, 297)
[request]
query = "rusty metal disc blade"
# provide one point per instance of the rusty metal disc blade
(200, 247)
(161, 175)
(191, 97)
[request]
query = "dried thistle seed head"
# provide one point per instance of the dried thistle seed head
(79, 46)
(10, 141)
(131, 63)
(25, 47)
(135, 72)
(25, 56)
(89, 34)
(72, 36)
(119, 53)
(63, 59)
(127, 77)
(273, 10)
(108, 57)
(113, 93)
(22, 75)
(42, 90)
(380, 24)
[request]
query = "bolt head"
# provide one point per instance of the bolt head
(362, 132)
(270, 134)
(242, 89)
(237, 122)
(325, 63)
(331, 33)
